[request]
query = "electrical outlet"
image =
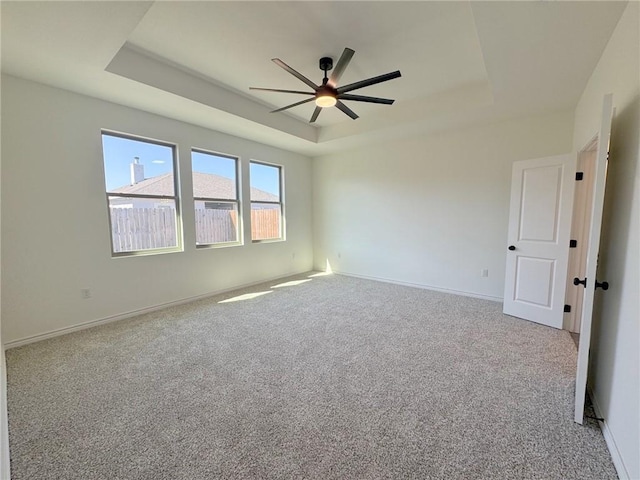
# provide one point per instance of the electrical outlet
(85, 293)
(484, 272)
(293, 256)
(339, 255)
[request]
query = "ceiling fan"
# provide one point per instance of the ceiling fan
(328, 94)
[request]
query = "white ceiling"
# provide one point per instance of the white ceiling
(461, 62)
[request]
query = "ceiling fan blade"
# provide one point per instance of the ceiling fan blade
(316, 112)
(282, 91)
(295, 73)
(346, 109)
(340, 67)
(361, 98)
(293, 105)
(369, 81)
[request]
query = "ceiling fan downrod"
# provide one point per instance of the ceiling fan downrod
(326, 64)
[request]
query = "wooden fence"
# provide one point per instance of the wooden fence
(142, 228)
(147, 228)
(216, 226)
(265, 224)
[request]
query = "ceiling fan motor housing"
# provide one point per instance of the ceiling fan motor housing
(326, 90)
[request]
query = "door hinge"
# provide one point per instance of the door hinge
(579, 176)
(567, 308)
(573, 243)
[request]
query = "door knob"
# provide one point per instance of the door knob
(603, 285)
(512, 247)
(577, 281)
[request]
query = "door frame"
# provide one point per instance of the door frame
(580, 223)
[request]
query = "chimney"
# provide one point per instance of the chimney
(137, 171)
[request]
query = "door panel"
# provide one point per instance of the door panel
(600, 179)
(535, 281)
(541, 188)
(539, 227)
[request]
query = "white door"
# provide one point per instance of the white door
(600, 179)
(538, 238)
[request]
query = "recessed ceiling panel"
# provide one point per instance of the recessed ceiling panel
(433, 44)
(538, 57)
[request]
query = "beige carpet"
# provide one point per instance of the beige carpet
(323, 377)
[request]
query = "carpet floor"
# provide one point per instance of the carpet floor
(311, 377)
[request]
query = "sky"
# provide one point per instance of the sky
(119, 153)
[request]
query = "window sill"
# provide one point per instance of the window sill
(207, 246)
(146, 253)
(269, 240)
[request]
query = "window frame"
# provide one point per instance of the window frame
(179, 247)
(237, 202)
(280, 168)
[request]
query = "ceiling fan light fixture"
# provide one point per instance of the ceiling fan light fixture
(326, 100)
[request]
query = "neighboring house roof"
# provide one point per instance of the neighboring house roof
(205, 185)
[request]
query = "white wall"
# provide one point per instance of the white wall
(430, 211)
(55, 235)
(614, 360)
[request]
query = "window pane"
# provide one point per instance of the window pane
(141, 172)
(215, 180)
(265, 183)
(216, 222)
(213, 176)
(137, 167)
(265, 221)
(142, 223)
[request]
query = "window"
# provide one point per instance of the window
(266, 202)
(141, 194)
(215, 195)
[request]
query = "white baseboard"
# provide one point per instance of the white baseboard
(123, 316)
(618, 462)
(423, 286)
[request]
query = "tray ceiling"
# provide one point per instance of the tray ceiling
(461, 62)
